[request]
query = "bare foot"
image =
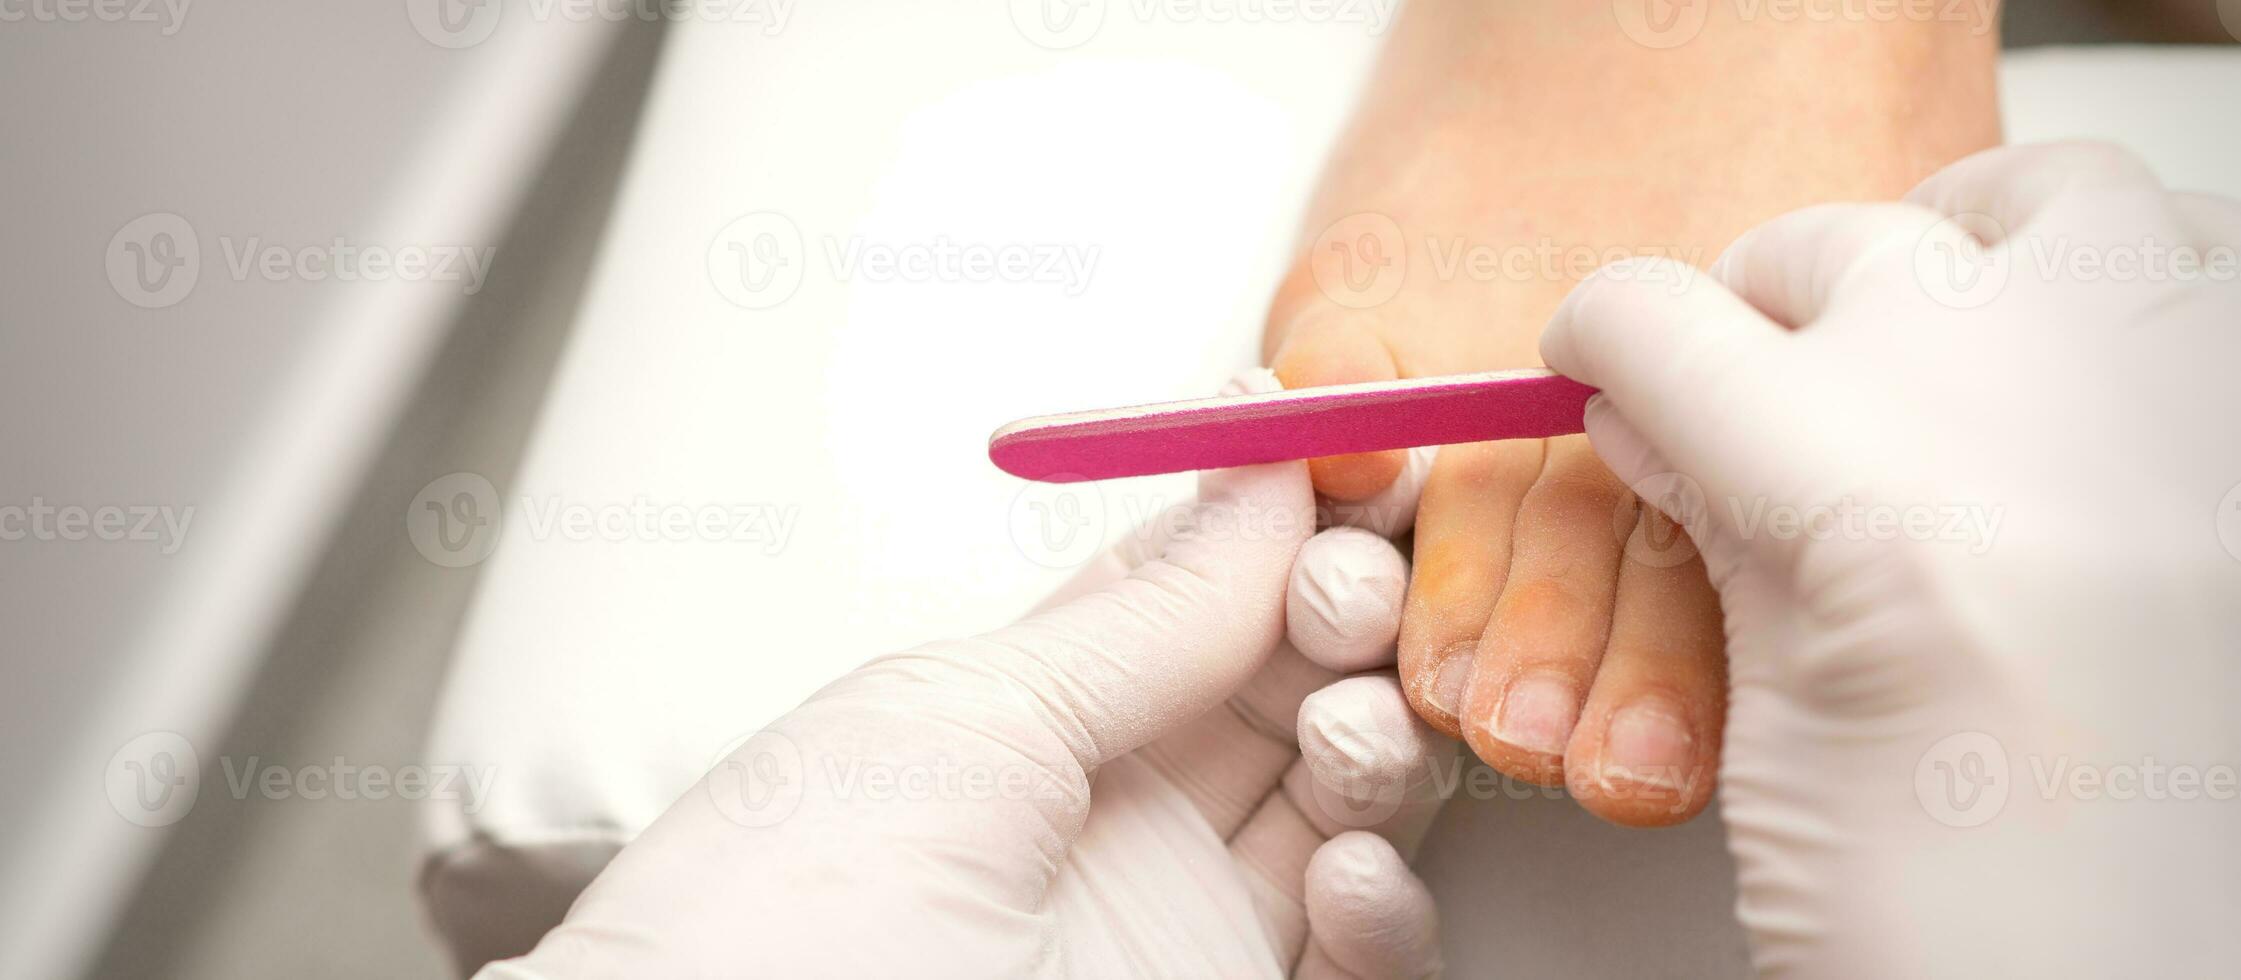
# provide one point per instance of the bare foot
(1504, 151)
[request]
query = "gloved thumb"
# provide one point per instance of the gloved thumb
(1693, 379)
(1113, 669)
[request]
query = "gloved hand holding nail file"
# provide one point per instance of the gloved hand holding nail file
(1195, 760)
(1215, 433)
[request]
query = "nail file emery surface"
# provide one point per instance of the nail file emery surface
(1211, 433)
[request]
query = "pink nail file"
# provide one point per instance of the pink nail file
(1212, 433)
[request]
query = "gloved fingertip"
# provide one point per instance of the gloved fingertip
(1728, 269)
(1371, 914)
(1359, 734)
(1601, 414)
(1343, 607)
(1622, 447)
(1602, 309)
(1356, 868)
(1557, 346)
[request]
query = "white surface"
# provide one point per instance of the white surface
(605, 676)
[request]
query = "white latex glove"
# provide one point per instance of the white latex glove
(1933, 734)
(1112, 787)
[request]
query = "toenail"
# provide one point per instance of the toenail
(1446, 693)
(1537, 713)
(1648, 745)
